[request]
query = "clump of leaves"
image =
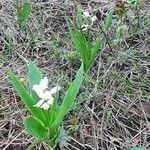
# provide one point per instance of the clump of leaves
(44, 124)
(87, 49)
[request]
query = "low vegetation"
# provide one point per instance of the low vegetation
(75, 75)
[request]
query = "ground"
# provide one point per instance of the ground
(112, 109)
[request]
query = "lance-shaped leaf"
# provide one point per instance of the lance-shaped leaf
(25, 97)
(69, 98)
(34, 77)
(80, 43)
(35, 128)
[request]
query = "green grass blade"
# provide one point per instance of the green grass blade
(69, 98)
(25, 97)
(34, 75)
(34, 128)
(81, 46)
(89, 46)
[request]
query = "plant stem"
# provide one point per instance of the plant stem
(107, 40)
(51, 142)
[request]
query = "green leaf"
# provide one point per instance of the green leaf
(76, 38)
(138, 148)
(96, 46)
(23, 13)
(25, 97)
(53, 109)
(80, 43)
(35, 128)
(69, 98)
(34, 77)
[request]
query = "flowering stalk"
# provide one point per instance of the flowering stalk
(89, 21)
(46, 116)
(82, 42)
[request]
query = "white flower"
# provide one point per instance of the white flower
(48, 95)
(50, 101)
(55, 89)
(45, 106)
(39, 103)
(39, 88)
(43, 84)
(89, 19)
(86, 14)
(45, 95)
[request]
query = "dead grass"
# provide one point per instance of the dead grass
(112, 111)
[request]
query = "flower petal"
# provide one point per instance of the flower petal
(39, 92)
(43, 84)
(50, 101)
(45, 106)
(55, 89)
(35, 87)
(48, 95)
(39, 103)
(86, 14)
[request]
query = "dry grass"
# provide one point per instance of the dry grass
(112, 111)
